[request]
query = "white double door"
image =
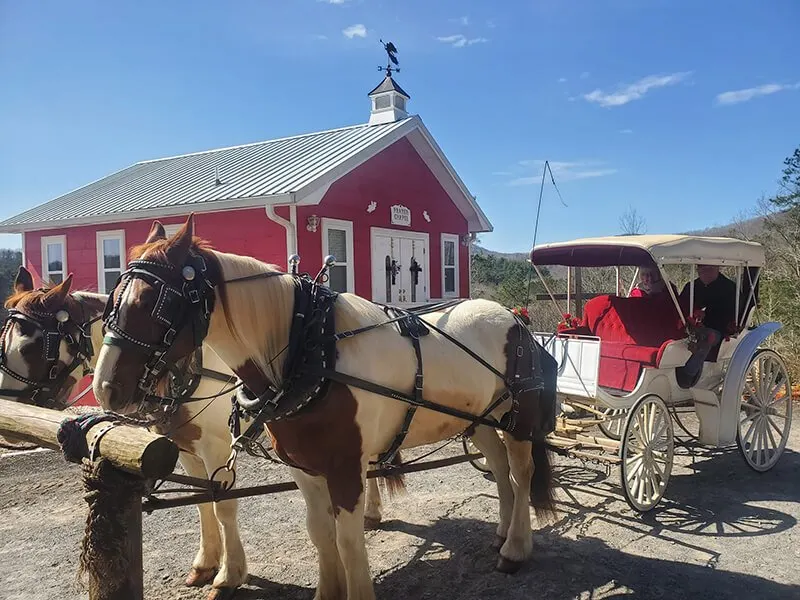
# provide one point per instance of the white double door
(400, 267)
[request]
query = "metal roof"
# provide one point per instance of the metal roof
(256, 171)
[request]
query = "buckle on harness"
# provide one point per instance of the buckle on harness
(53, 371)
(194, 296)
(418, 381)
(169, 336)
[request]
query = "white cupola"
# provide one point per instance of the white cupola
(388, 99)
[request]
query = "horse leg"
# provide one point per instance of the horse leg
(372, 512)
(491, 446)
(233, 563)
(207, 559)
(350, 532)
(519, 543)
(322, 531)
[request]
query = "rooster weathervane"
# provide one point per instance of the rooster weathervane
(391, 50)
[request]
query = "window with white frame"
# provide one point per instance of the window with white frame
(110, 258)
(171, 230)
(54, 258)
(337, 240)
(450, 285)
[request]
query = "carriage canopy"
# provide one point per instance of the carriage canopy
(645, 250)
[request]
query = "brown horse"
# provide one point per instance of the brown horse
(335, 429)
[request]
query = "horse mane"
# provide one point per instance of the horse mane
(267, 311)
(40, 301)
(263, 310)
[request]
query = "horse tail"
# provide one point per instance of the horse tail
(543, 497)
(396, 483)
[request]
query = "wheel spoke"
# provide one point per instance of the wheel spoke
(775, 425)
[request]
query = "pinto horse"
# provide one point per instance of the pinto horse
(198, 428)
(245, 310)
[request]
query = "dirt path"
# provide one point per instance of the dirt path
(722, 531)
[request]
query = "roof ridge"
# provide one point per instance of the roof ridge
(250, 144)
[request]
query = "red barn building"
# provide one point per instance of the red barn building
(381, 197)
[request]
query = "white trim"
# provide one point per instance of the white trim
(54, 239)
(24, 254)
(450, 237)
(171, 229)
(445, 173)
(347, 227)
(100, 236)
(426, 264)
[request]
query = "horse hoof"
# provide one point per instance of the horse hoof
(200, 577)
(221, 593)
(506, 565)
(498, 542)
(371, 523)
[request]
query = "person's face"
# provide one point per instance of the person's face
(707, 273)
(650, 276)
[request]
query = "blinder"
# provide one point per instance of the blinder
(185, 299)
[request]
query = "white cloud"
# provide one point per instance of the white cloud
(737, 96)
(502, 173)
(357, 30)
(626, 130)
(634, 91)
(334, 1)
(491, 23)
(562, 171)
(459, 41)
(461, 21)
(585, 75)
(562, 80)
(320, 36)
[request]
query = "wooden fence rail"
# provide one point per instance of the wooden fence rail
(126, 458)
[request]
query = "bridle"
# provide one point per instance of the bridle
(184, 298)
(55, 327)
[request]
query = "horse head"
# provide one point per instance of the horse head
(156, 316)
(45, 340)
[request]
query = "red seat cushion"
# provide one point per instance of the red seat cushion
(632, 332)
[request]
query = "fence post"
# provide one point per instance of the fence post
(111, 556)
(578, 293)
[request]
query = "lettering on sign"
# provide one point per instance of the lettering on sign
(401, 215)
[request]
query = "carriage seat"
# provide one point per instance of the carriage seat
(633, 332)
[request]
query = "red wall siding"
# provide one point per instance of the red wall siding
(246, 231)
(395, 176)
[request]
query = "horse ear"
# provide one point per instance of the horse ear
(157, 232)
(23, 281)
(180, 243)
(58, 294)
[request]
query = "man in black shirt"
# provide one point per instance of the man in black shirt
(716, 295)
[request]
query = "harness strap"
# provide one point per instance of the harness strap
(413, 324)
(385, 391)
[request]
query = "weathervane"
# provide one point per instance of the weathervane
(391, 50)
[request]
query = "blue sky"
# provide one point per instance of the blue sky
(684, 110)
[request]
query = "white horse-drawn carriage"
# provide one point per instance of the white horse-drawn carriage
(621, 364)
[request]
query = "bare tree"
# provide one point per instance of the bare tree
(632, 223)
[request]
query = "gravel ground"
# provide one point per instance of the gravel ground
(722, 531)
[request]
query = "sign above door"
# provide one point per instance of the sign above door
(401, 215)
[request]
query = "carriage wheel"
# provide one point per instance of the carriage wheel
(478, 463)
(646, 452)
(612, 427)
(765, 414)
